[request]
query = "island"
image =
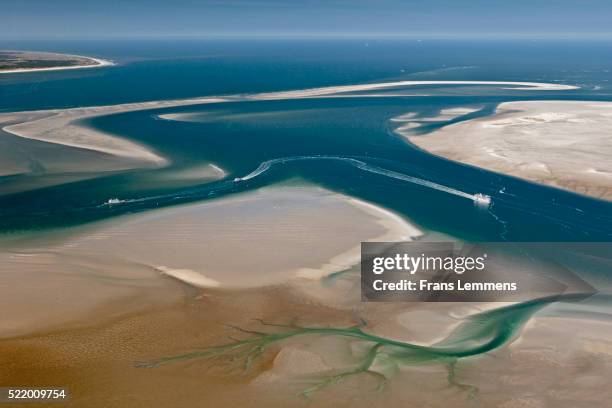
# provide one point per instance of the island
(29, 61)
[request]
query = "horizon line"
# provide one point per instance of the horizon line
(356, 36)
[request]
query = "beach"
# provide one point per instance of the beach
(35, 61)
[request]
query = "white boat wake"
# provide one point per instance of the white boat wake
(482, 200)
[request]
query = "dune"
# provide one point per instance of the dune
(562, 144)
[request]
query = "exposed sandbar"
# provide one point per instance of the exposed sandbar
(566, 367)
(275, 235)
(331, 90)
(65, 127)
(269, 236)
(62, 125)
(564, 144)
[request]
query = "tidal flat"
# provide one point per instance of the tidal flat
(295, 361)
(557, 143)
(183, 228)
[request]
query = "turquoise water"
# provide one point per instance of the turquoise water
(347, 145)
(240, 136)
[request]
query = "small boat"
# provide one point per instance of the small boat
(113, 201)
(482, 200)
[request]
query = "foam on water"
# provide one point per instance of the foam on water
(481, 200)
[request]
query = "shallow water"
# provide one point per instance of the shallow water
(348, 145)
(241, 136)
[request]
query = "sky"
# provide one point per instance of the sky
(76, 19)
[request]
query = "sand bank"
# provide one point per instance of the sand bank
(331, 90)
(568, 361)
(564, 144)
(32, 164)
(64, 126)
(98, 363)
(271, 236)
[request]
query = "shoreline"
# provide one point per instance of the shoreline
(127, 257)
(59, 126)
(99, 63)
(545, 142)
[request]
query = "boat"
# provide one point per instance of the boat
(482, 200)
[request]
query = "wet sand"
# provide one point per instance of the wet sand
(86, 305)
(51, 147)
(564, 144)
(67, 128)
(267, 237)
(168, 281)
(34, 164)
(134, 314)
(60, 127)
(99, 362)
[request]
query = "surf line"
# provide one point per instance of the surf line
(481, 200)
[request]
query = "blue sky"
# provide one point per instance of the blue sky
(307, 18)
